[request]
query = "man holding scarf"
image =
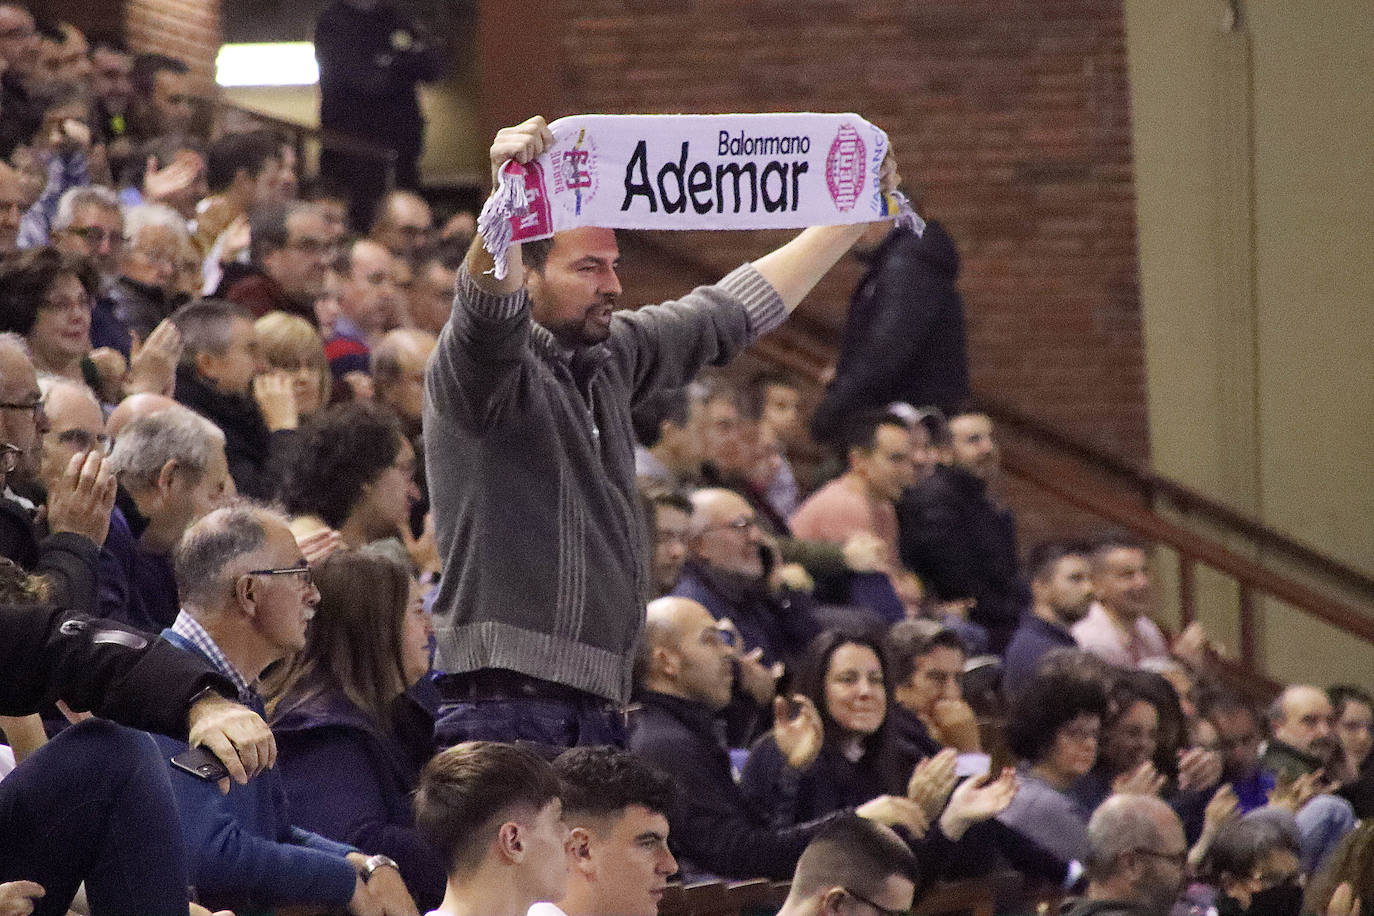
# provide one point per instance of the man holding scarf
(529, 448)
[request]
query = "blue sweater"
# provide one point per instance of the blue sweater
(242, 852)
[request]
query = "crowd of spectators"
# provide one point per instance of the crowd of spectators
(339, 573)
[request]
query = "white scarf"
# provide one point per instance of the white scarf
(730, 171)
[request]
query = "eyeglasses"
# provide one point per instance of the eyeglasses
(97, 235)
(9, 457)
(881, 910)
(1079, 733)
(78, 304)
(35, 404)
(743, 523)
(303, 571)
(1178, 859)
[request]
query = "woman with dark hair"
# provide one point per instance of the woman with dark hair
(46, 296)
(1352, 766)
(353, 729)
(1140, 752)
(844, 677)
(1053, 730)
(353, 471)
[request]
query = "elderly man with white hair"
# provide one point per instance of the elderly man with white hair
(171, 470)
(146, 291)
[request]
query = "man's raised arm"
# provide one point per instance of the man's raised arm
(523, 143)
(796, 268)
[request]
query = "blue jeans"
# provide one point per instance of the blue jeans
(553, 723)
(1322, 823)
(94, 804)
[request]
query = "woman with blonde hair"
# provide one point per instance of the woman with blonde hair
(290, 344)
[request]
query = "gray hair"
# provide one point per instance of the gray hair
(207, 326)
(1122, 824)
(87, 196)
(175, 434)
(216, 549)
(146, 216)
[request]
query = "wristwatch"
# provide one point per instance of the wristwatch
(375, 862)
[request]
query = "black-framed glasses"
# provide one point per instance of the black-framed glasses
(303, 571)
(86, 441)
(34, 404)
(881, 910)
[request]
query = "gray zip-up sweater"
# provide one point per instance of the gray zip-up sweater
(529, 451)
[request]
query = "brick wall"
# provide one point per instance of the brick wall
(1010, 117)
(186, 29)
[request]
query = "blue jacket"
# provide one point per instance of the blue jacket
(241, 849)
(1033, 639)
(782, 625)
(136, 586)
(348, 779)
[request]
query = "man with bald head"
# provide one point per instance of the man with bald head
(370, 303)
(135, 406)
(76, 425)
(404, 224)
(727, 570)
(78, 502)
(1137, 858)
(684, 674)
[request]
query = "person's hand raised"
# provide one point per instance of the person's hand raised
(932, 780)
(276, 396)
(524, 142)
(1198, 768)
(895, 811)
(976, 800)
(153, 362)
(1143, 780)
(81, 500)
(799, 732)
(17, 897)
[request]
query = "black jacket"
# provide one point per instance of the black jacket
(114, 671)
(68, 561)
(963, 545)
(904, 337)
(253, 453)
(370, 62)
(714, 829)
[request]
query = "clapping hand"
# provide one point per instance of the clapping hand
(895, 811)
(932, 780)
(1198, 769)
(153, 362)
(1293, 794)
(1143, 780)
(976, 800)
(798, 733)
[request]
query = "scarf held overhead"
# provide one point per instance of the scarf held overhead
(731, 171)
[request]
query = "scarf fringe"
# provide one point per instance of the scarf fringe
(508, 201)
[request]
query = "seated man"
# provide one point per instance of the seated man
(670, 516)
(404, 224)
(726, 572)
(493, 813)
(616, 809)
(370, 303)
(1240, 731)
(1118, 628)
(774, 402)
(215, 379)
(78, 505)
(857, 860)
(288, 257)
(861, 500)
(93, 804)
(1061, 594)
(685, 677)
(246, 598)
(1137, 859)
(928, 712)
(959, 539)
(1301, 742)
(171, 471)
